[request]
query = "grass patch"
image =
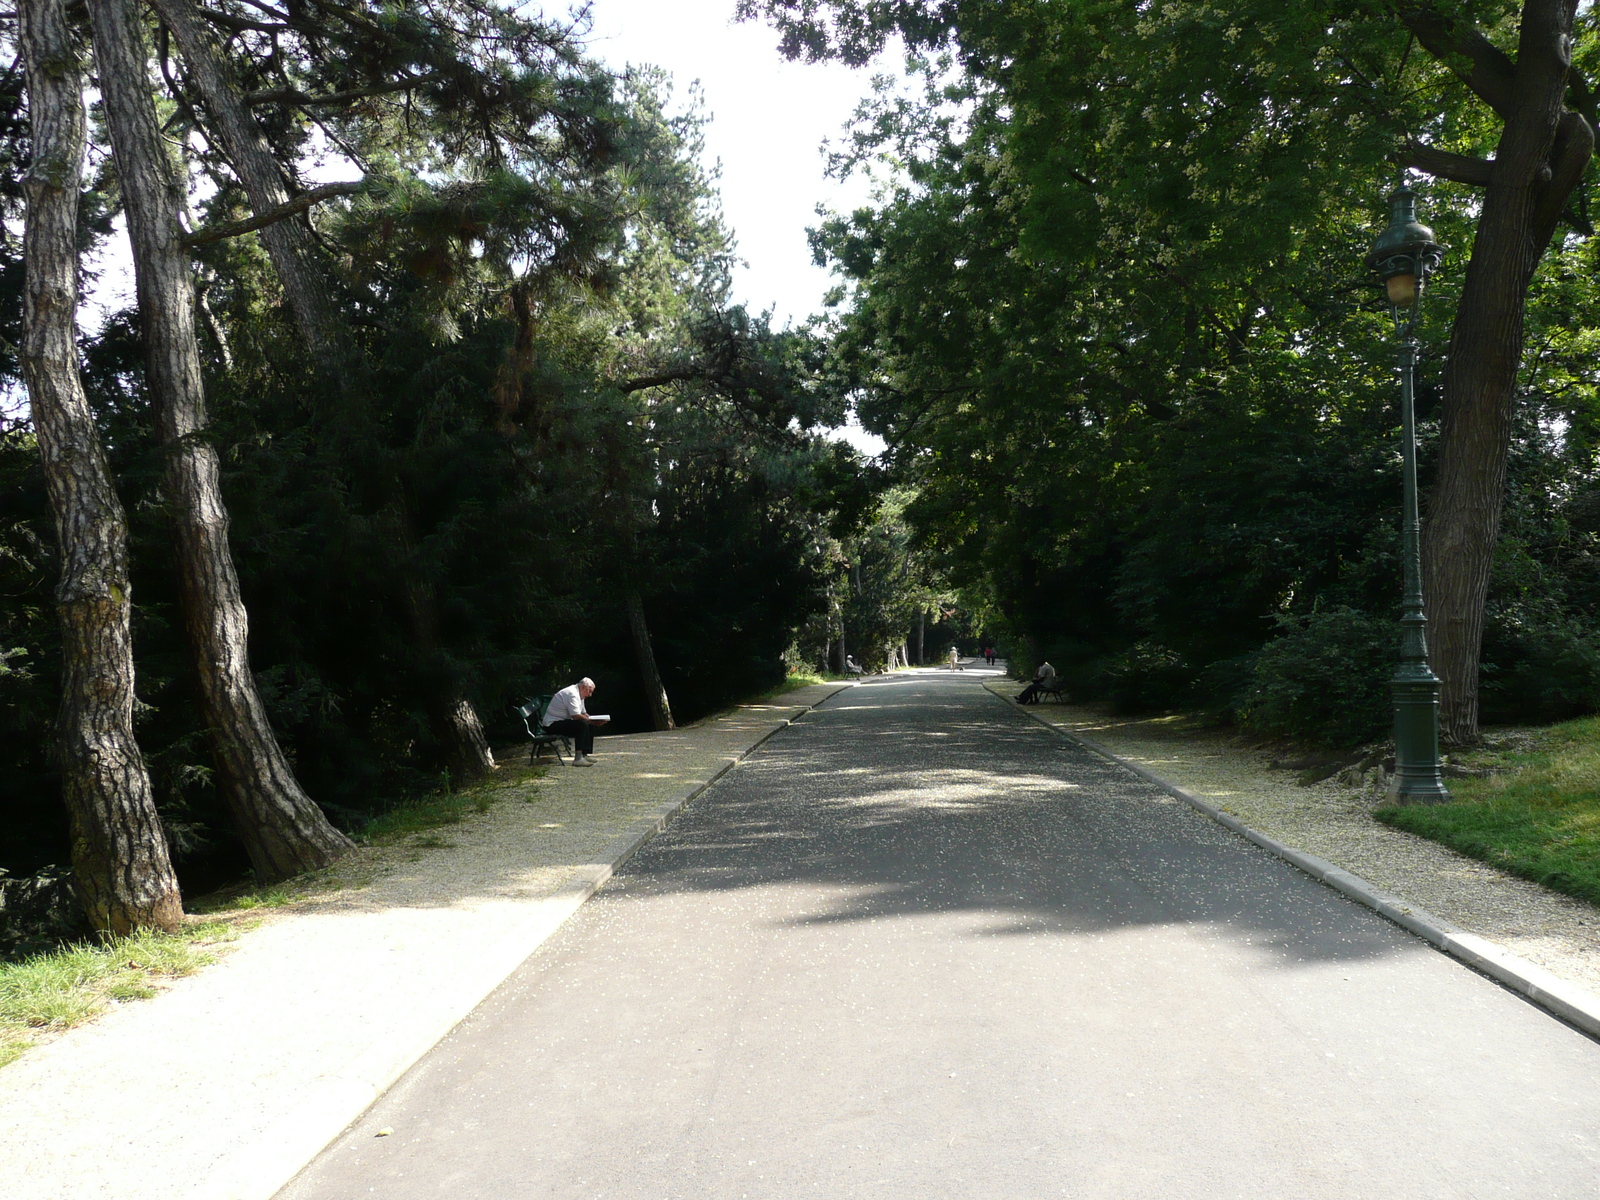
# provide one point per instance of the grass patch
(445, 808)
(430, 812)
(1538, 817)
(271, 897)
(66, 987)
(796, 681)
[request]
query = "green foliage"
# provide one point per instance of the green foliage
(1106, 312)
(1146, 677)
(541, 401)
(1553, 672)
(1323, 678)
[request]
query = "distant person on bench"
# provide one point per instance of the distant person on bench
(568, 716)
(1030, 694)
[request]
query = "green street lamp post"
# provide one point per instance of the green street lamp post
(1404, 256)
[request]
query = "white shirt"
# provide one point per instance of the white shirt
(568, 702)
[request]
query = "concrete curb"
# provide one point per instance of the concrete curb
(1573, 1004)
(330, 1106)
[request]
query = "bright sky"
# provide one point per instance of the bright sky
(769, 120)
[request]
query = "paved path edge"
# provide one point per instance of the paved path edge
(1574, 1005)
(327, 1110)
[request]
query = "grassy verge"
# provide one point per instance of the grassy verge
(445, 808)
(1537, 817)
(51, 992)
(795, 682)
(47, 993)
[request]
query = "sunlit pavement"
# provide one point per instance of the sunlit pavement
(920, 946)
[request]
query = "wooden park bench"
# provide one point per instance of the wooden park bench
(1054, 686)
(531, 711)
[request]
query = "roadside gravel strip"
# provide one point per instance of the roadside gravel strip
(1539, 944)
(227, 1084)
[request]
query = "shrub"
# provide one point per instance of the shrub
(1324, 678)
(1536, 673)
(1147, 677)
(38, 911)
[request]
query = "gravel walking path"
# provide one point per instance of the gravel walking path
(222, 1086)
(1335, 822)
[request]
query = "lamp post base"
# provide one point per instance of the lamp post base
(1416, 742)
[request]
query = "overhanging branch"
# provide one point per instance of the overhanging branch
(676, 375)
(1442, 164)
(218, 233)
(1460, 46)
(239, 24)
(306, 100)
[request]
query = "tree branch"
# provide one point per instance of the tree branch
(1475, 60)
(237, 24)
(1581, 98)
(272, 216)
(675, 375)
(1569, 159)
(269, 10)
(1442, 164)
(305, 100)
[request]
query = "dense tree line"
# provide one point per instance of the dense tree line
(372, 458)
(1112, 316)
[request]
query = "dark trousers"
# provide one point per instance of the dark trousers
(1030, 694)
(581, 733)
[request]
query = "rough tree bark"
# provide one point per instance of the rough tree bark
(121, 864)
(453, 718)
(1543, 150)
(283, 830)
(644, 654)
(289, 242)
(299, 265)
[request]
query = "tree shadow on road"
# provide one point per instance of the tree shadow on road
(918, 796)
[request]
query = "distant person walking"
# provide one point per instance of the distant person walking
(955, 659)
(1030, 694)
(567, 714)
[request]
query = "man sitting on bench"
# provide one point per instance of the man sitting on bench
(567, 716)
(1043, 681)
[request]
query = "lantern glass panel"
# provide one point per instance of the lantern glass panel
(1402, 290)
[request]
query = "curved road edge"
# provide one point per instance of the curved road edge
(1574, 1005)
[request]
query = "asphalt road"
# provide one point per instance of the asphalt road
(919, 946)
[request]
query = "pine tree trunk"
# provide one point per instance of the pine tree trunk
(121, 864)
(295, 258)
(459, 721)
(644, 653)
(450, 713)
(283, 830)
(289, 242)
(455, 721)
(1542, 153)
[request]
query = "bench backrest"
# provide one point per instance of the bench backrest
(532, 712)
